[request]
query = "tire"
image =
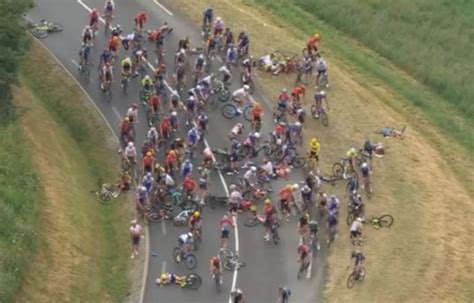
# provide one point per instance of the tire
(225, 254)
(248, 114)
(351, 280)
(251, 222)
(176, 254)
(229, 111)
(194, 281)
(104, 198)
(298, 162)
(275, 237)
(154, 217)
(350, 217)
(190, 261)
(224, 94)
(386, 221)
(55, 27)
(39, 33)
(229, 265)
(324, 118)
(337, 170)
(218, 283)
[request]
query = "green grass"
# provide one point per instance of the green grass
(446, 96)
(19, 206)
(105, 240)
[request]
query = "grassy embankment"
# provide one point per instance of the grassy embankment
(82, 245)
(424, 181)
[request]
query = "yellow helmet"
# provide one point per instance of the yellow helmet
(164, 277)
(127, 119)
(197, 214)
(316, 36)
(314, 141)
(267, 201)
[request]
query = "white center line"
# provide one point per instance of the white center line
(308, 275)
(163, 7)
(163, 227)
(75, 63)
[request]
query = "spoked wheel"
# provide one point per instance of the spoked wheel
(154, 216)
(194, 281)
(248, 114)
(251, 222)
(224, 94)
(177, 255)
(351, 280)
(386, 221)
(225, 253)
(105, 197)
(324, 118)
(298, 161)
(190, 261)
(337, 169)
(229, 111)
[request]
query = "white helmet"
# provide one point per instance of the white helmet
(246, 87)
(295, 186)
(130, 144)
(322, 93)
(190, 235)
(256, 135)
(353, 150)
(253, 168)
(191, 98)
(88, 27)
(285, 90)
(297, 124)
(134, 221)
(146, 77)
(219, 19)
(364, 165)
(201, 56)
(359, 220)
(279, 142)
(174, 113)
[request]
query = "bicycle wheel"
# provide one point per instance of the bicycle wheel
(105, 197)
(229, 111)
(225, 253)
(154, 216)
(386, 220)
(193, 281)
(275, 237)
(337, 169)
(314, 112)
(55, 27)
(177, 254)
(39, 33)
(217, 280)
(190, 261)
(350, 217)
(229, 264)
(251, 222)
(298, 162)
(224, 94)
(324, 118)
(248, 114)
(351, 280)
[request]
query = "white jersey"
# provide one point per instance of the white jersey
(235, 197)
(152, 134)
(130, 151)
(321, 64)
(268, 167)
(250, 176)
(236, 130)
(169, 180)
(219, 24)
(224, 70)
(135, 230)
(240, 93)
(266, 60)
(132, 113)
(185, 238)
(356, 226)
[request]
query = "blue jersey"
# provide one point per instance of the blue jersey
(192, 136)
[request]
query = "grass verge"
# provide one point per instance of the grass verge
(83, 249)
(20, 197)
(426, 256)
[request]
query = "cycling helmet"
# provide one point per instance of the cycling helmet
(284, 90)
(190, 234)
(233, 187)
(88, 27)
(314, 141)
(256, 135)
(364, 165)
(191, 98)
(142, 188)
(295, 186)
(218, 19)
(148, 154)
(201, 56)
(360, 220)
(127, 119)
(316, 36)
(354, 254)
(134, 221)
(174, 113)
(240, 125)
(279, 141)
(118, 26)
(246, 87)
(267, 202)
(153, 129)
(196, 214)
(297, 123)
(198, 87)
(148, 174)
(253, 169)
(146, 77)
(323, 93)
(333, 197)
(130, 144)
(353, 150)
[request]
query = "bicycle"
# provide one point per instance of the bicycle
(355, 212)
(153, 117)
(218, 280)
(382, 221)
(357, 275)
(124, 82)
(85, 72)
(189, 259)
(320, 113)
(230, 111)
(192, 281)
(302, 269)
(343, 169)
(106, 192)
(107, 91)
(230, 261)
(246, 79)
(43, 28)
(221, 90)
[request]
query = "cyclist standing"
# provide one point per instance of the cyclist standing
(284, 293)
(215, 268)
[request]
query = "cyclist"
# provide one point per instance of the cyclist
(107, 76)
(300, 115)
(203, 184)
(126, 68)
(351, 155)
(312, 44)
(140, 20)
(365, 172)
(189, 185)
(192, 141)
(185, 243)
(231, 57)
(331, 226)
(356, 231)
(237, 296)
(84, 55)
(303, 227)
(321, 67)
(257, 114)
(202, 121)
(132, 113)
(296, 94)
(117, 31)
(295, 132)
(218, 26)
(207, 15)
(153, 137)
(313, 149)
(199, 64)
(125, 131)
(225, 225)
(94, 19)
(250, 178)
(313, 231)
(169, 278)
(359, 260)
(148, 162)
(333, 205)
(303, 255)
(109, 8)
(270, 217)
(142, 199)
(285, 294)
(319, 97)
(147, 83)
(226, 74)
(306, 196)
(130, 153)
(241, 96)
(87, 35)
(236, 131)
(195, 223)
(186, 168)
(207, 157)
(147, 181)
(235, 198)
(215, 268)
(243, 44)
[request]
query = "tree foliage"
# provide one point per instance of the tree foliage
(13, 46)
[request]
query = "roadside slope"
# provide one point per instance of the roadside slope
(82, 255)
(425, 181)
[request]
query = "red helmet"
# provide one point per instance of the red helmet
(142, 14)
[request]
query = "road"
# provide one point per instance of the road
(267, 266)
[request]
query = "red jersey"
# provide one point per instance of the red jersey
(283, 96)
(141, 17)
(298, 91)
(279, 130)
(189, 184)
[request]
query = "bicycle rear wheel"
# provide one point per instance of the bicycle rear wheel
(225, 253)
(386, 220)
(298, 161)
(324, 118)
(248, 114)
(229, 111)
(193, 281)
(224, 94)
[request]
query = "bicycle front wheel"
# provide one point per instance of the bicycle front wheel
(225, 253)
(224, 94)
(193, 281)
(229, 111)
(177, 254)
(251, 222)
(386, 220)
(351, 280)
(298, 162)
(324, 118)
(190, 261)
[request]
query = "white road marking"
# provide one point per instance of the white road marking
(117, 114)
(163, 267)
(90, 10)
(75, 63)
(163, 7)
(163, 227)
(308, 275)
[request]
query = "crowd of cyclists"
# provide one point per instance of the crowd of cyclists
(165, 169)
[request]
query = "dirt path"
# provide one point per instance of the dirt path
(427, 254)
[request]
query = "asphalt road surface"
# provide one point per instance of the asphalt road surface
(267, 266)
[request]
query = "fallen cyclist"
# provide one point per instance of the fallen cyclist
(169, 278)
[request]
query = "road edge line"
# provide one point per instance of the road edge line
(147, 235)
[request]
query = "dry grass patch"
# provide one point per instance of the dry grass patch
(426, 256)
